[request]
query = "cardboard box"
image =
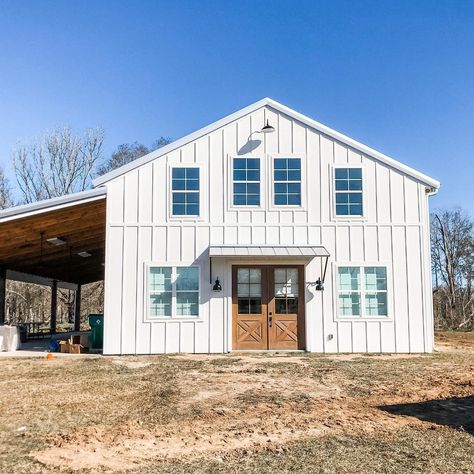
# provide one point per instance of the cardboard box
(64, 346)
(76, 348)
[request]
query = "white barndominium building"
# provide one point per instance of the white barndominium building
(264, 231)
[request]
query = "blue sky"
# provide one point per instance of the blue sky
(398, 76)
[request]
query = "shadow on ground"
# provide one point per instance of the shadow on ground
(454, 412)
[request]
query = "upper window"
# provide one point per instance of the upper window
(348, 191)
(173, 292)
(185, 191)
(246, 185)
(362, 291)
(287, 181)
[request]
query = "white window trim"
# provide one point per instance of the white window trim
(332, 174)
(201, 216)
(363, 316)
(271, 183)
(174, 317)
(230, 187)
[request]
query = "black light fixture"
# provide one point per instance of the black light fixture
(267, 128)
(217, 285)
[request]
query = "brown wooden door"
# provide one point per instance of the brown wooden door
(268, 307)
(286, 308)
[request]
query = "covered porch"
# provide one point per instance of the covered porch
(58, 243)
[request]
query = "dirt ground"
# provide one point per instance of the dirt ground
(276, 412)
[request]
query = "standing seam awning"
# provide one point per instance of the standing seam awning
(268, 251)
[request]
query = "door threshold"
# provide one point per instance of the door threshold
(266, 351)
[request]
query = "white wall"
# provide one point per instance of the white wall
(394, 231)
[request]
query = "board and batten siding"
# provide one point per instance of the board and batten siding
(395, 232)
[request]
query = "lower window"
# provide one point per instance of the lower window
(362, 291)
(173, 292)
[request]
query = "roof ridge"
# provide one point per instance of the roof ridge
(267, 101)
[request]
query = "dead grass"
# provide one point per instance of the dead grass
(240, 413)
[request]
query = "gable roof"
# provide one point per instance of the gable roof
(267, 102)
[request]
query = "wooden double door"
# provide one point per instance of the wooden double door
(268, 304)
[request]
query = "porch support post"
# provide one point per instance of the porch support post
(3, 293)
(77, 309)
(54, 306)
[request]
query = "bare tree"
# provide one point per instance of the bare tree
(452, 249)
(128, 152)
(60, 163)
(5, 192)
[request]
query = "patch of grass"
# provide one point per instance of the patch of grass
(225, 361)
(407, 451)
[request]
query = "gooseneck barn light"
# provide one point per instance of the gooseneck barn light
(267, 128)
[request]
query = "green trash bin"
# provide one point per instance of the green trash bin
(96, 322)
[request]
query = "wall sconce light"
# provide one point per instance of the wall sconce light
(267, 128)
(217, 285)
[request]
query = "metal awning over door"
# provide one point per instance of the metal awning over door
(308, 251)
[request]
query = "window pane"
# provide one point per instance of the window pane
(294, 199)
(281, 175)
(280, 306)
(187, 278)
(342, 185)
(243, 275)
(253, 175)
(349, 304)
(281, 188)
(239, 175)
(253, 200)
(355, 198)
(355, 185)
(280, 275)
(294, 164)
(355, 210)
(376, 304)
(255, 275)
(160, 279)
(239, 164)
(355, 173)
(187, 303)
(253, 163)
(255, 289)
(342, 198)
(280, 164)
(342, 210)
(342, 173)
(192, 173)
(192, 185)
(192, 210)
(239, 199)
(178, 173)
(249, 306)
(294, 175)
(179, 184)
(375, 278)
(160, 305)
(192, 198)
(349, 278)
(280, 199)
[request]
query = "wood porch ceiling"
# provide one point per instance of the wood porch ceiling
(81, 226)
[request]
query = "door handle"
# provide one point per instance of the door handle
(270, 319)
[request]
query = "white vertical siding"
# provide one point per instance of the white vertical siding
(394, 231)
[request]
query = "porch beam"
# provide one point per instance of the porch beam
(54, 306)
(3, 293)
(77, 309)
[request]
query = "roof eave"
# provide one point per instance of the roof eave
(53, 203)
